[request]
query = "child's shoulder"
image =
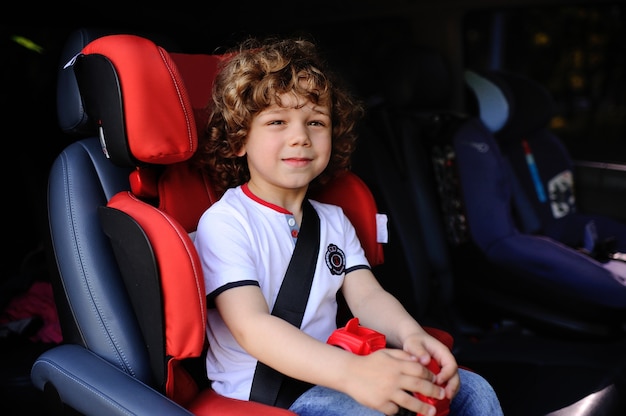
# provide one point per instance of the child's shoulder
(229, 201)
(327, 210)
(230, 196)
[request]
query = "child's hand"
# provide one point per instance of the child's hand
(425, 348)
(386, 380)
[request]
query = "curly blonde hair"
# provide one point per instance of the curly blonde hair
(251, 79)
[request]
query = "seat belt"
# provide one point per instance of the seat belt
(268, 385)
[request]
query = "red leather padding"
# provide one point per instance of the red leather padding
(143, 182)
(198, 72)
(159, 117)
(209, 403)
(184, 310)
(182, 281)
(180, 385)
(352, 194)
(185, 194)
(182, 192)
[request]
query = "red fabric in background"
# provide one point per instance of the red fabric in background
(37, 301)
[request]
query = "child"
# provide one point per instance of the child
(280, 123)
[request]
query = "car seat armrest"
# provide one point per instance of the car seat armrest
(93, 386)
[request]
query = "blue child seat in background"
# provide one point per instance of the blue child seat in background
(518, 110)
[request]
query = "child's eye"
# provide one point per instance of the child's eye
(317, 123)
(276, 122)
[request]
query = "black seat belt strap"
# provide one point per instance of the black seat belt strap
(270, 386)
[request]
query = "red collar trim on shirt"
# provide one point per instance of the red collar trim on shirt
(252, 196)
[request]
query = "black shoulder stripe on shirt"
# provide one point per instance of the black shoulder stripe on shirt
(210, 298)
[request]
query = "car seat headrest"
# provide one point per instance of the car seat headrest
(415, 77)
(509, 104)
(136, 95)
(71, 115)
(492, 105)
(148, 106)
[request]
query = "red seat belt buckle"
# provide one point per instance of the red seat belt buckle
(362, 341)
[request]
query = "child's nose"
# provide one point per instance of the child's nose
(300, 136)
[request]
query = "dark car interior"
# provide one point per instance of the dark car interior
(505, 194)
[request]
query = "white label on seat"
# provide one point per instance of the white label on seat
(382, 234)
(618, 268)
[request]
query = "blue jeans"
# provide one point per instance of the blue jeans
(476, 397)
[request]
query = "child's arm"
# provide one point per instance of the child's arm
(379, 310)
(380, 380)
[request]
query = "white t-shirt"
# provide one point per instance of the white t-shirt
(243, 240)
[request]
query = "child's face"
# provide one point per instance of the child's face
(288, 145)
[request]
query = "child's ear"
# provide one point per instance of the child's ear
(241, 152)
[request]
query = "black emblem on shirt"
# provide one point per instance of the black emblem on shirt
(335, 259)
